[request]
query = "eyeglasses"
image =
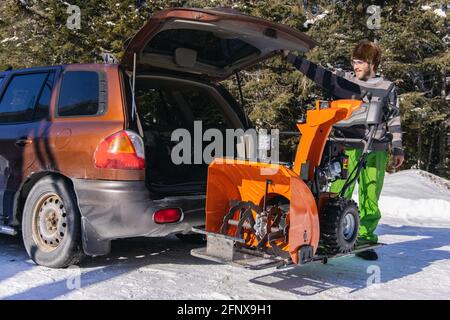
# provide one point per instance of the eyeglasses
(357, 62)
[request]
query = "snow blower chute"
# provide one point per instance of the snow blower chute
(262, 214)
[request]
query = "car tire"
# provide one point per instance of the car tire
(51, 224)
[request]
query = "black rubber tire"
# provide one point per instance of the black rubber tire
(332, 226)
(194, 238)
(69, 251)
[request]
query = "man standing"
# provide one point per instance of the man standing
(366, 57)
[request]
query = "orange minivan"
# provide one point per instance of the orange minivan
(85, 149)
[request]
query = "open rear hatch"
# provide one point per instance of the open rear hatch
(210, 45)
(213, 44)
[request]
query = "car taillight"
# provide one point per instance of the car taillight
(122, 150)
(167, 215)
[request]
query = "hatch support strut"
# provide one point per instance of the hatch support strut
(133, 86)
(241, 95)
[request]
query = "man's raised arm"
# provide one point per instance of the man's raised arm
(335, 84)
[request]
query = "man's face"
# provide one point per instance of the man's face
(363, 70)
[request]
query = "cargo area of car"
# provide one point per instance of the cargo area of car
(166, 104)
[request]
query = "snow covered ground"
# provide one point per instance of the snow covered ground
(414, 264)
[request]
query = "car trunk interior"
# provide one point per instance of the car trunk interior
(165, 104)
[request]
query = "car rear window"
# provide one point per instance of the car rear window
(21, 96)
(82, 93)
(210, 49)
(169, 108)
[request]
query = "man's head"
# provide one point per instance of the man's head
(366, 57)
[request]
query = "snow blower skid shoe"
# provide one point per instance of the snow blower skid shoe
(260, 214)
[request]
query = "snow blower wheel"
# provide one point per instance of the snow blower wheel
(339, 224)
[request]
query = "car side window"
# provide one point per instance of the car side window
(83, 93)
(20, 97)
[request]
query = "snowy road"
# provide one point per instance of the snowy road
(414, 265)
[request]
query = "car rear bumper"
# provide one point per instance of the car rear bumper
(124, 209)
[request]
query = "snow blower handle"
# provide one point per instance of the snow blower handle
(364, 93)
(370, 113)
(362, 160)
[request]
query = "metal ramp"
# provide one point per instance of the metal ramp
(229, 250)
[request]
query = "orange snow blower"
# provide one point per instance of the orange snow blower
(261, 214)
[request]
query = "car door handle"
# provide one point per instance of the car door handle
(22, 142)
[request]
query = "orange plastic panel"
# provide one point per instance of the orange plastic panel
(316, 130)
(304, 226)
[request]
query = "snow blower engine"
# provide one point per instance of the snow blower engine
(261, 214)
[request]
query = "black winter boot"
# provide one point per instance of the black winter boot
(367, 255)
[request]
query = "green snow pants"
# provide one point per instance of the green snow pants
(370, 185)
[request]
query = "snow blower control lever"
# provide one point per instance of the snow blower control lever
(261, 214)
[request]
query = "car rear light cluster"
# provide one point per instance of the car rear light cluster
(168, 215)
(122, 150)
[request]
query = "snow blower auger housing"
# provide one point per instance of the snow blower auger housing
(262, 214)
